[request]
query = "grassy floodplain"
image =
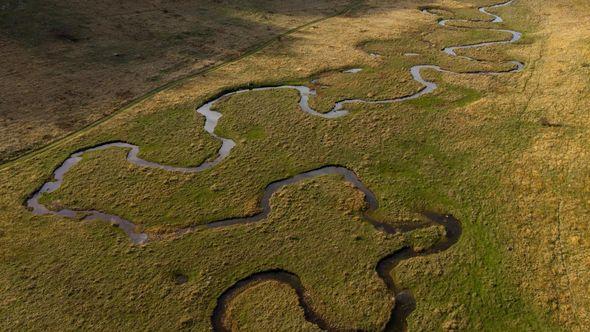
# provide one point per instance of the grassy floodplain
(68, 65)
(480, 147)
(261, 295)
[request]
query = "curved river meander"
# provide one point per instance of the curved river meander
(404, 301)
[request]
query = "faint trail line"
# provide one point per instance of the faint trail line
(559, 240)
(535, 78)
(404, 301)
(247, 53)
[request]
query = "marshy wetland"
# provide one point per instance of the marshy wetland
(370, 180)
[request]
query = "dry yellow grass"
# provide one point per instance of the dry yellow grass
(64, 65)
(519, 186)
(550, 181)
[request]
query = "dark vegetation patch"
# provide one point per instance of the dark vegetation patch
(547, 123)
(179, 277)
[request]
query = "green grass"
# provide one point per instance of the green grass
(130, 50)
(340, 280)
(449, 152)
(256, 309)
(177, 132)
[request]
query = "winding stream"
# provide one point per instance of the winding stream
(212, 118)
(404, 301)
